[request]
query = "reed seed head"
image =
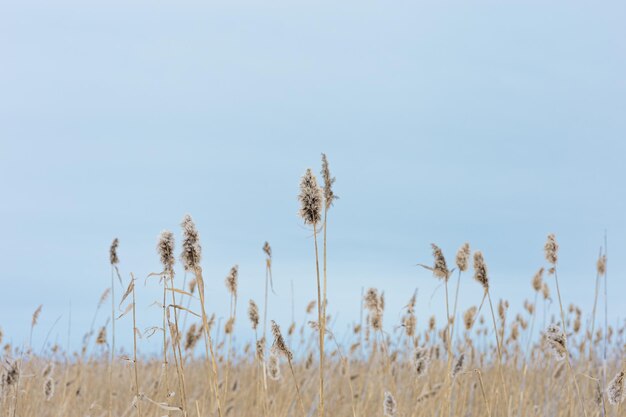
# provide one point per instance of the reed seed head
(421, 360)
(601, 265)
(440, 268)
(102, 336)
(389, 405)
(36, 314)
(165, 248)
(468, 317)
(480, 270)
(545, 291)
(230, 325)
(459, 365)
(267, 249)
(279, 342)
(538, 279)
(231, 280)
(551, 249)
(192, 251)
(253, 314)
(273, 366)
(192, 336)
(615, 389)
(462, 257)
(48, 388)
(113, 252)
(260, 349)
(556, 340)
(375, 304)
(310, 199)
(329, 195)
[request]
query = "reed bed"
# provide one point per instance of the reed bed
(484, 361)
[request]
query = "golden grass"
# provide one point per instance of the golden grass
(495, 366)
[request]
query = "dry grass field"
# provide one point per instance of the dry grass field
(486, 361)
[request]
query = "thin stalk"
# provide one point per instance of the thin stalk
(456, 298)
(112, 358)
(593, 313)
(482, 389)
(343, 359)
(525, 367)
(138, 401)
(233, 313)
(495, 329)
(320, 311)
(176, 348)
(606, 320)
(167, 385)
(207, 340)
(174, 336)
(569, 364)
(448, 349)
(323, 325)
(295, 381)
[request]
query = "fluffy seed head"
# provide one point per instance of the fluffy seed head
(389, 405)
(615, 389)
(375, 303)
(480, 270)
(113, 252)
(231, 280)
(102, 336)
(468, 317)
(273, 366)
(279, 343)
(601, 265)
(260, 349)
(421, 360)
(230, 325)
(329, 195)
(551, 249)
(253, 314)
(409, 321)
(459, 364)
(48, 388)
(310, 306)
(555, 338)
(440, 268)
(462, 257)
(545, 291)
(165, 248)
(538, 279)
(192, 251)
(36, 315)
(310, 199)
(192, 337)
(267, 249)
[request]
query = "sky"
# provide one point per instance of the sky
(489, 122)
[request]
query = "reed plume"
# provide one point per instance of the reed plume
(253, 314)
(191, 254)
(389, 405)
(615, 390)
(555, 338)
(165, 249)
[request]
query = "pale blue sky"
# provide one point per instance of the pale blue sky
(489, 122)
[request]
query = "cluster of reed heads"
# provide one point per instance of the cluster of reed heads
(484, 361)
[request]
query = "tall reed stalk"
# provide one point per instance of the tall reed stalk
(551, 250)
(311, 200)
